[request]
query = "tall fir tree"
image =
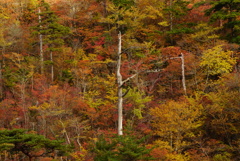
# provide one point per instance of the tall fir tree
(50, 31)
(227, 12)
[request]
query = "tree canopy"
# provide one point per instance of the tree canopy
(76, 75)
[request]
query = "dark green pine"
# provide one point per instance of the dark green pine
(119, 148)
(53, 32)
(19, 141)
(229, 12)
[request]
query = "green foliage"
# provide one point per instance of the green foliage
(18, 69)
(30, 144)
(178, 8)
(174, 11)
(228, 10)
(53, 32)
(138, 100)
(131, 148)
(104, 150)
(224, 9)
(118, 148)
(180, 30)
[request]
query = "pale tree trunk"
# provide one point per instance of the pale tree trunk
(183, 75)
(183, 72)
(120, 83)
(65, 132)
(40, 42)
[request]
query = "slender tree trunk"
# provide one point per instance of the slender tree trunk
(120, 82)
(183, 75)
(40, 42)
(183, 72)
(65, 132)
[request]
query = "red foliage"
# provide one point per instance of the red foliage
(159, 153)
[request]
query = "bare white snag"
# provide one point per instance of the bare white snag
(183, 75)
(183, 72)
(120, 83)
(40, 41)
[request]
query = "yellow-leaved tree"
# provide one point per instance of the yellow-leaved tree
(174, 121)
(216, 61)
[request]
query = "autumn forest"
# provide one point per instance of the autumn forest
(119, 80)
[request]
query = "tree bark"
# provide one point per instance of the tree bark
(120, 83)
(183, 72)
(40, 42)
(183, 75)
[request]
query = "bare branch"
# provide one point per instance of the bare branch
(126, 92)
(134, 75)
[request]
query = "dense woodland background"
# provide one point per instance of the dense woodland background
(58, 80)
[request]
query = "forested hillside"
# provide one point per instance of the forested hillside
(120, 80)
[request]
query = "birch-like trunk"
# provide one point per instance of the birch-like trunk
(183, 75)
(183, 72)
(40, 42)
(120, 83)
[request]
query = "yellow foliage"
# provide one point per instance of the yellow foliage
(79, 155)
(204, 32)
(48, 109)
(102, 92)
(163, 23)
(163, 144)
(135, 18)
(153, 12)
(176, 120)
(217, 61)
(43, 106)
(175, 116)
